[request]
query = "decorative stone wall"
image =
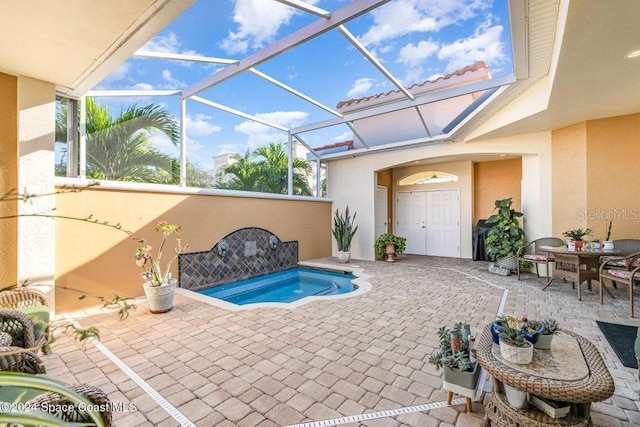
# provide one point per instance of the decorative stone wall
(243, 254)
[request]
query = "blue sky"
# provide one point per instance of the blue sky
(416, 40)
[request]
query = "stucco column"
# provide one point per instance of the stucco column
(36, 136)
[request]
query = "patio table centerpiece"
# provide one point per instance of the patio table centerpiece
(159, 285)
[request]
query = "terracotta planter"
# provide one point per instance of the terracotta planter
(517, 355)
(390, 250)
(344, 257)
(578, 244)
(160, 297)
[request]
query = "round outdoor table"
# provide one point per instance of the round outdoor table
(575, 266)
(571, 371)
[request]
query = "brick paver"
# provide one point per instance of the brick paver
(270, 367)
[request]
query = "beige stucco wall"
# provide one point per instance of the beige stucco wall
(595, 177)
(352, 182)
(98, 259)
(495, 180)
(8, 179)
(27, 253)
(36, 137)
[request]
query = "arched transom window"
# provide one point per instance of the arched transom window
(428, 177)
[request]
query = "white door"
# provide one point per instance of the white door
(411, 223)
(443, 223)
(382, 212)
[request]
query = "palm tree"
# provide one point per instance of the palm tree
(121, 149)
(274, 167)
(266, 170)
(242, 175)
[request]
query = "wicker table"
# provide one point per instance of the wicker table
(555, 374)
(575, 266)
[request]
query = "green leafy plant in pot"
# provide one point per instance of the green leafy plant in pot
(388, 246)
(506, 237)
(577, 236)
(344, 229)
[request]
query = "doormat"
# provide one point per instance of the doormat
(622, 339)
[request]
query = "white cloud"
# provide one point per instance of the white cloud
(402, 17)
(169, 44)
(142, 86)
(361, 87)
(117, 75)
(345, 136)
(260, 134)
(258, 23)
(484, 45)
(163, 143)
(199, 125)
(172, 83)
(413, 55)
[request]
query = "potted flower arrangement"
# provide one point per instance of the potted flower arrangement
(506, 236)
(388, 246)
(343, 231)
(514, 347)
(159, 286)
(577, 236)
(460, 372)
(549, 328)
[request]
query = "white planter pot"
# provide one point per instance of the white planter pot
(516, 398)
(160, 297)
(607, 245)
(517, 355)
(344, 257)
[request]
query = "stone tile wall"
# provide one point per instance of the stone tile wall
(245, 253)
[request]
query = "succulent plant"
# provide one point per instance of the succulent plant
(532, 326)
(551, 326)
(513, 336)
(445, 355)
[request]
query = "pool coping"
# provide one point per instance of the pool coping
(361, 281)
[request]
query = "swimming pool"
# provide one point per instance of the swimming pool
(284, 287)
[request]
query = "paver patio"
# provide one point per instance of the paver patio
(326, 359)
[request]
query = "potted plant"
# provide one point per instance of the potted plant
(506, 237)
(343, 231)
(159, 286)
(388, 246)
(550, 327)
(608, 244)
(533, 330)
(514, 347)
(460, 373)
(577, 236)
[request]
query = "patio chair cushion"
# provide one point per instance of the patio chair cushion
(39, 315)
(613, 261)
(623, 274)
(536, 257)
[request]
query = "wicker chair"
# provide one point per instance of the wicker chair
(17, 359)
(51, 401)
(19, 325)
(532, 253)
(622, 270)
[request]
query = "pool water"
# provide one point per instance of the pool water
(285, 286)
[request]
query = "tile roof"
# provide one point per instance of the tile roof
(425, 85)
